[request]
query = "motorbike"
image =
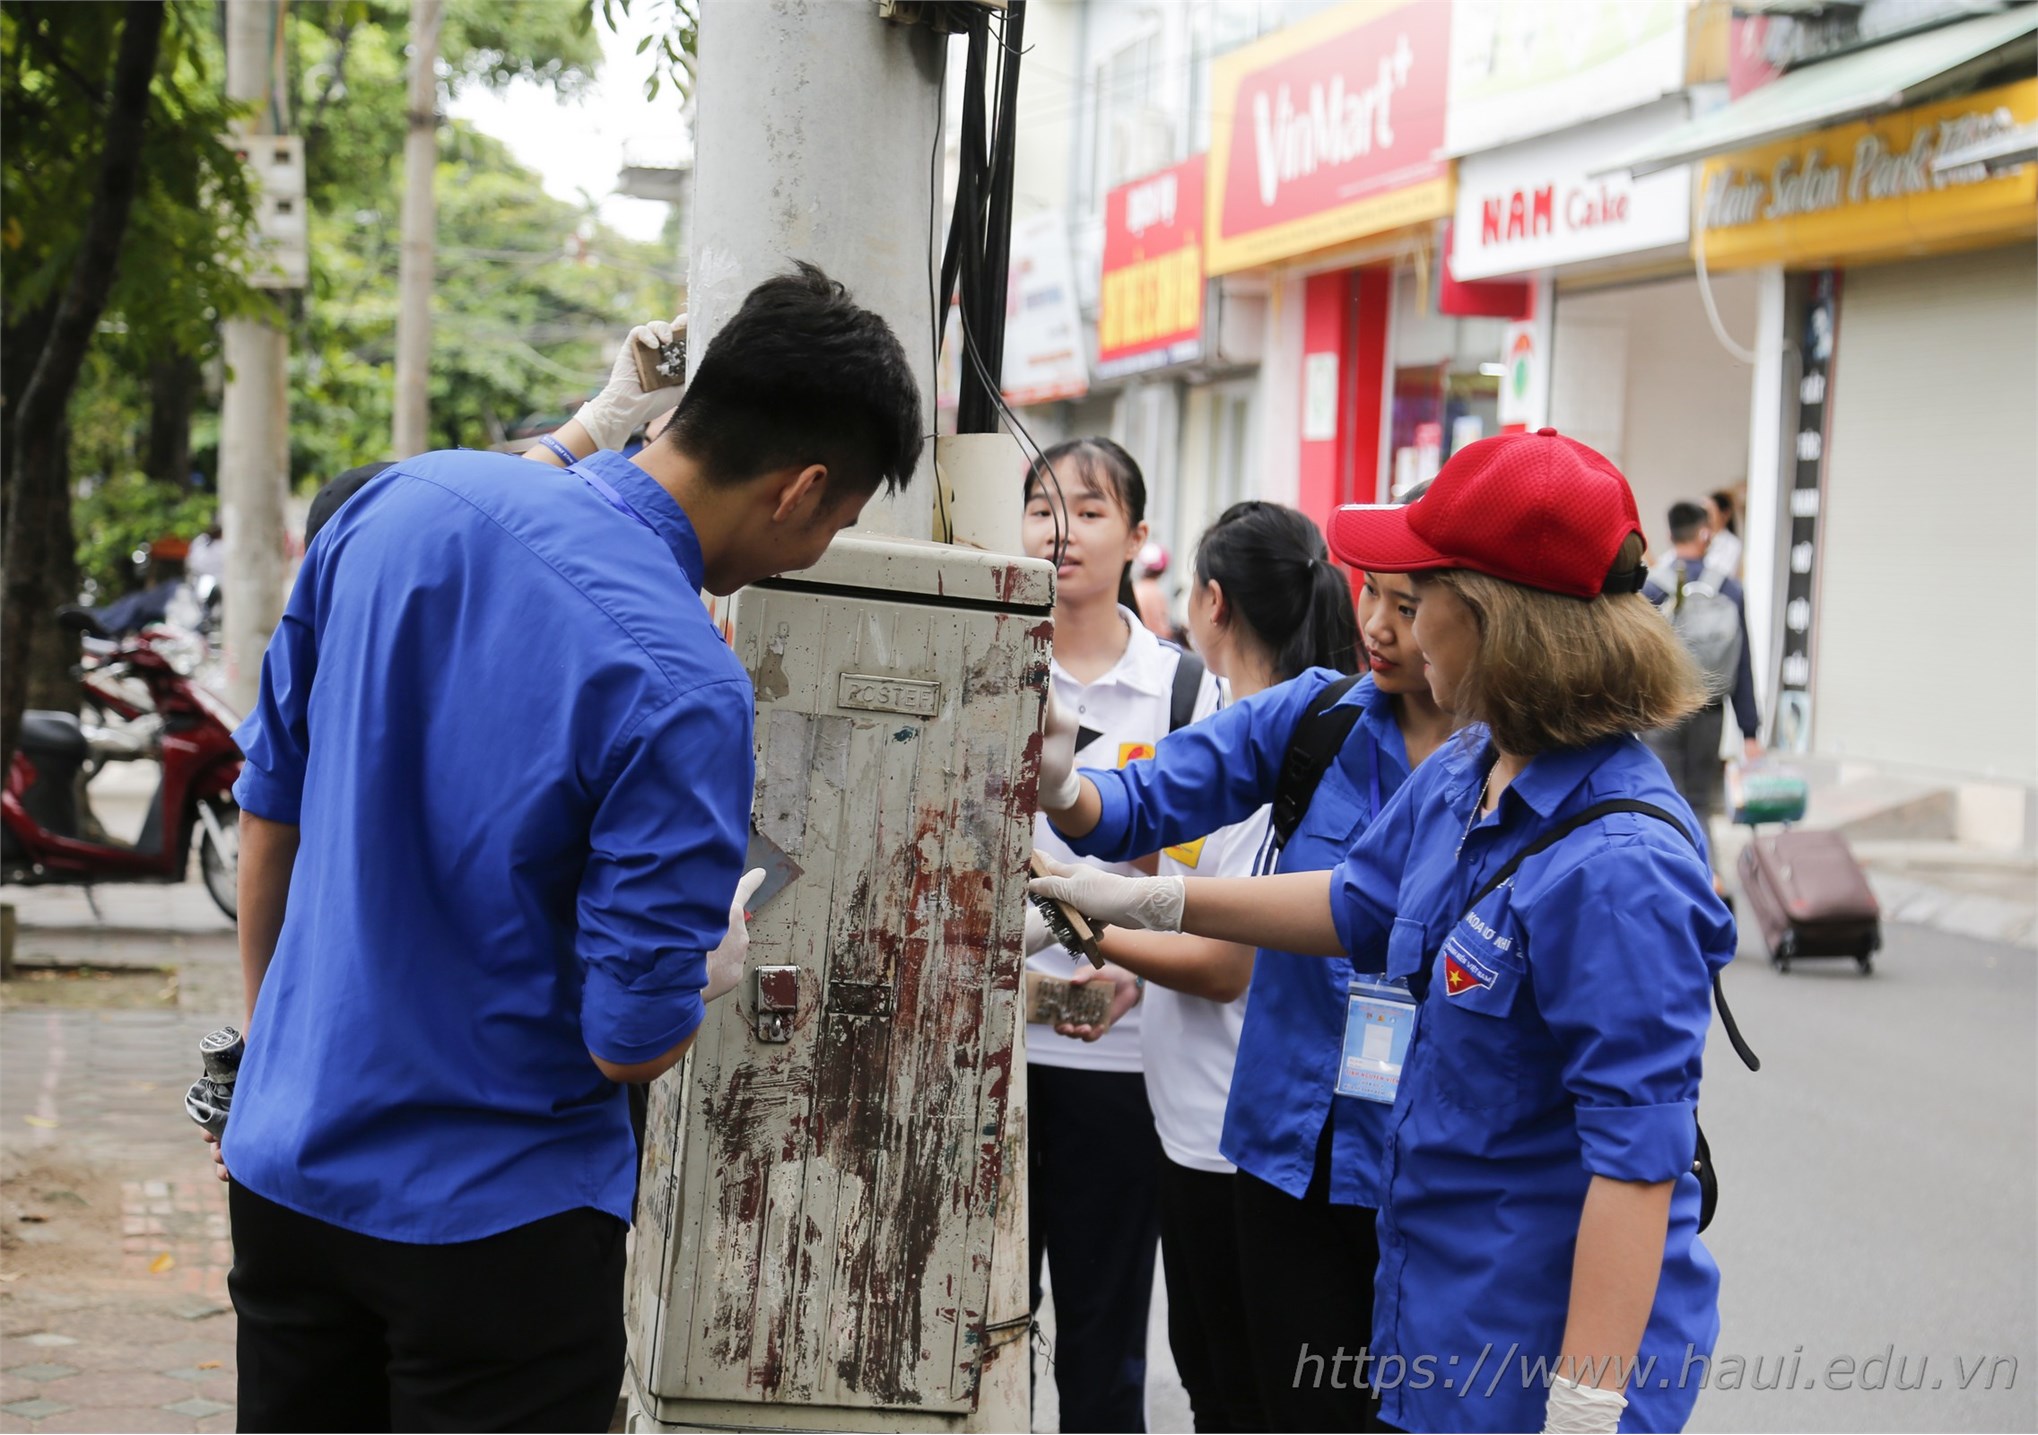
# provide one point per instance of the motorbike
(142, 704)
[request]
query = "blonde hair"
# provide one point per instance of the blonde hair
(1556, 672)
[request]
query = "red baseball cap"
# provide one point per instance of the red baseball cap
(1536, 508)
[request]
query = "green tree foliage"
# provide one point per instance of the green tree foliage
(672, 44)
(124, 215)
(176, 278)
(121, 514)
(530, 292)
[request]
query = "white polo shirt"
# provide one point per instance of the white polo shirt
(1121, 716)
(1190, 1044)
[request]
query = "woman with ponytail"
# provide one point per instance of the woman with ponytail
(1271, 612)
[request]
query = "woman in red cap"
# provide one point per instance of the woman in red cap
(1538, 901)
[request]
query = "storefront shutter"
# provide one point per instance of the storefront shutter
(1927, 640)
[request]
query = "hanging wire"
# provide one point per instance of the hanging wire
(1712, 312)
(934, 315)
(966, 236)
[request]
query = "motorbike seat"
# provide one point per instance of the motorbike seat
(54, 734)
(76, 619)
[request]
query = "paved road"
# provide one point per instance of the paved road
(1879, 1179)
(1879, 1176)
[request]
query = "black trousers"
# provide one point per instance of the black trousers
(1093, 1166)
(1207, 1321)
(1691, 753)
(339, 1331)
(1308, 1278)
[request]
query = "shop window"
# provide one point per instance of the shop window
(1132, 134)
(1230, 446)
(1446, 389)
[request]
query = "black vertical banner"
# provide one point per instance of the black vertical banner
(1817, 334)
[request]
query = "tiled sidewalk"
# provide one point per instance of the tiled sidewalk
(113, 1304)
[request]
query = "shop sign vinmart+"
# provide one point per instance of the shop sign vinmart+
(1328, 131)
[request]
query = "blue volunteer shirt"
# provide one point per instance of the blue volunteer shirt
(519, 756)
(1219, 771)
(1558, 1036)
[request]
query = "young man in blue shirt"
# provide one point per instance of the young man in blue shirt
(495, 801)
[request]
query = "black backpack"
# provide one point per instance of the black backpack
(1314, 745)
(1188, 683)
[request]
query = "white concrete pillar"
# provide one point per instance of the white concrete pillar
(254, 420)
(814, 139)
(1766, 526)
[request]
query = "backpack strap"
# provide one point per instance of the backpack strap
(1564, 829)
(1315, 743)
(1701, 1161)
(1592, 814)
(1188, 687)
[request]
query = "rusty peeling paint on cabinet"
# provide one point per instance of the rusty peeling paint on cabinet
(817, 1215)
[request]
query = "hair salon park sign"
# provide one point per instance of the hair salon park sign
(1868, 190)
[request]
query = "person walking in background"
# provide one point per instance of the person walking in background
(1723, 518)
(1152, 597)
(1706, 606)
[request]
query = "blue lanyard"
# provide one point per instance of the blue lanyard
(621, 505)
(1373, 762)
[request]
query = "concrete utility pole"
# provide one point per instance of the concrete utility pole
(254, 442)
(420, 233)
(832, 1231)
(813, 132)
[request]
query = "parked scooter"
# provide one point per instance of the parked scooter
(142, 705)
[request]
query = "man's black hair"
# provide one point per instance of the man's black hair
(802, 375)
(1686, 518)
(326, 502)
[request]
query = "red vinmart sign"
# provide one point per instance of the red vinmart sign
(1150, 304)
(1327, 131)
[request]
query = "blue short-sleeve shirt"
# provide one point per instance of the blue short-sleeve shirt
(1219, 771)
(519, 756)
(1559, 1032)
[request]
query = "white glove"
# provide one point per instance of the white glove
(726, 961)
(1037, 937)
(1152, 904)
(1575, 1409)
(1059, 785)
(612, 415)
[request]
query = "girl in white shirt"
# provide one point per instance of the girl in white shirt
(1094, 1159)
(1265, 603)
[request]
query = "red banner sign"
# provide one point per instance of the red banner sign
(1327, 131)
(1150, 304)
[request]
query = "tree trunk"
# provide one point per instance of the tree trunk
(166, 448)
(41, 555)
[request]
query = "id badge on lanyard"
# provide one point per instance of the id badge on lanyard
(1379, 1020)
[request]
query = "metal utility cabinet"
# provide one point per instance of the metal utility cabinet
(832, 1176)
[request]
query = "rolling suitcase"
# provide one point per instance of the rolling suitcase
(1811, 898)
